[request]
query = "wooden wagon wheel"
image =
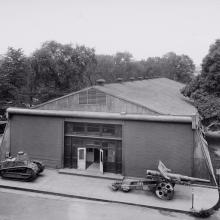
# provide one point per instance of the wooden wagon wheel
(164, 190)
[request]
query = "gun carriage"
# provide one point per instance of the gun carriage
(161, 182)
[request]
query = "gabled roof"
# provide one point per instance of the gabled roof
(161, 95)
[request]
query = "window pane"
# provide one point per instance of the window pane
(67, 148)
(83, 97)
(93, 129)
(108, 130)
(78, 128)
(68, 127)
(91, 101)
(81, 154)
(111, 155)
(92, 96)
(118, 131)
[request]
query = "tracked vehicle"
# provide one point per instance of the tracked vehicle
(20, 168)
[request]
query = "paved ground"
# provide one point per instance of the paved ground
(16, 205)
(96, 188)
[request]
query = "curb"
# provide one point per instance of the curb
(96, 199)
(208, 212)
(217, 205)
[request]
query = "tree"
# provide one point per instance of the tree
(13, 76)
(178, 67)
(153, 67)
(122, 58)
(104, 69)
(111, 67)
(56, 69)
(122, 64)
(59, 69)
(205, 88)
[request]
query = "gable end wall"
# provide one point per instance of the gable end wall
(113, 104)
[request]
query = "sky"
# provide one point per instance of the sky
(145, 28)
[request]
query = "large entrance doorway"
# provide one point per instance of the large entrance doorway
(94, 159)
(92, 148)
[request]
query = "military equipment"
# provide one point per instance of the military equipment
(161, 182)
(20, 167)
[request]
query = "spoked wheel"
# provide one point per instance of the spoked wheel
(165, 191)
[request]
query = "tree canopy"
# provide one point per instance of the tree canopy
(59, 69)
(171, 65)
(56, 69)
(13, 76)
(205, 88)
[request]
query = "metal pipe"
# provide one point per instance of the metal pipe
(175, 176)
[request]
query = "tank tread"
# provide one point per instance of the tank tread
(21, 173)
(40, 165)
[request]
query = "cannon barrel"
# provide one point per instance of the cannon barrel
(175, 176)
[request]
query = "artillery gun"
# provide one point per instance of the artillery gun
(161, 182)
(20, 167)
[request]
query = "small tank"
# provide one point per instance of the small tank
(20, 167)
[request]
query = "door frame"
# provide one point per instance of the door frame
(101, 162)
(81, 163)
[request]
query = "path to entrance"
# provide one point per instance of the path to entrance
(98, 189)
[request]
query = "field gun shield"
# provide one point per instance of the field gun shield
(163, 170)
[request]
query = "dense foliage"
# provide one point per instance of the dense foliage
(51, 71)
(205, 88)
(176, 67)
(13, 79)
(56, 69)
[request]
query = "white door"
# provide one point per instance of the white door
(81, 158)
(101, 160)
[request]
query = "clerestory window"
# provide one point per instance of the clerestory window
(92, 96)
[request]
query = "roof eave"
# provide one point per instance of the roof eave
(99, 115)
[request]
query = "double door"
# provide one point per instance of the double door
(80, 153)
